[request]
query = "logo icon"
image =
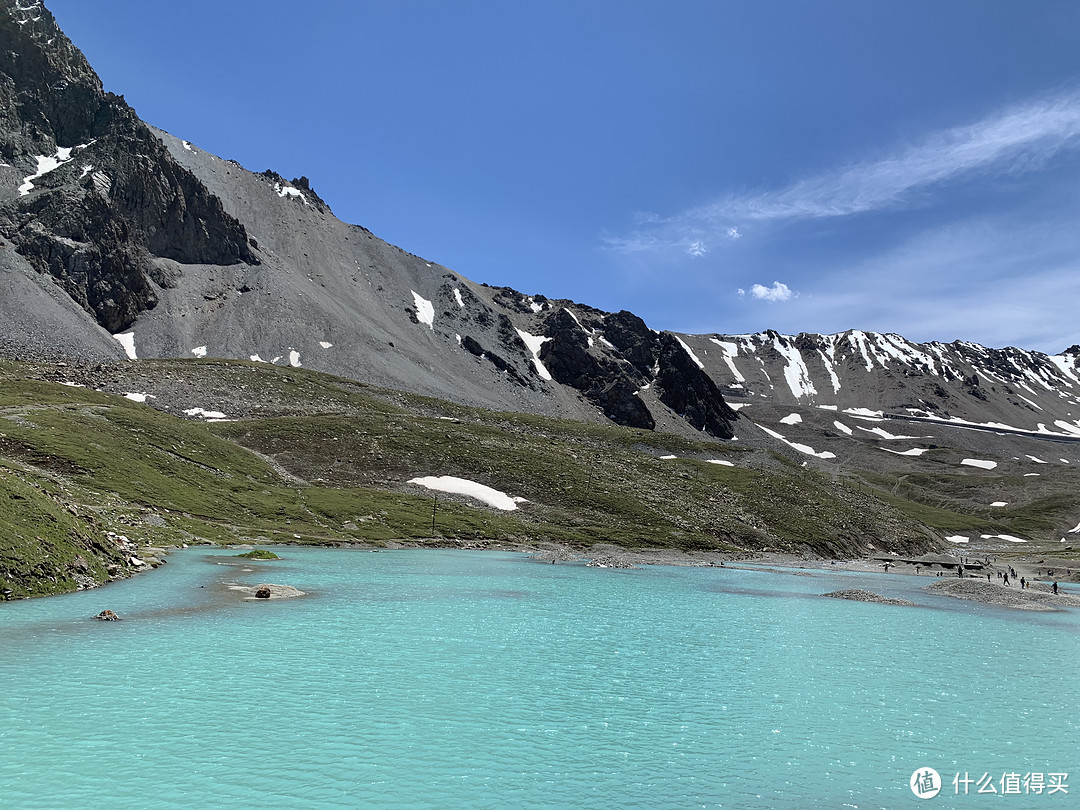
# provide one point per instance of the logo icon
(925, 783)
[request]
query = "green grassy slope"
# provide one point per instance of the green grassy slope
(312, 458)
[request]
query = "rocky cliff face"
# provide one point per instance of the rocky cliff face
(612, 357)
(107, 225)
(99, 195)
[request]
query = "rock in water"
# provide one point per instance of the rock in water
(262, 592)
(107, 616)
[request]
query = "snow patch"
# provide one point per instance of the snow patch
(199, 351)
(690, 352)
(294, 358)
(1000, 503)
(471, 489)
(127, 340)
(957, 538)
(802, 448)
(45, 164)
(256, 359)
(325, 344)
(134, 397)
(731, 351)
(458, 298)
(289, 191)
(843, 428)
(425, 310)
(795, 372)
(204, 414)
(791, 419)
(1037, 460)
(865, 413)
(914, 451)
(1008, 537)
(884, 434)
(720, 461)
(534, 343)
(978, 462)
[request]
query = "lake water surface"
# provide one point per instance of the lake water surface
(453, 679)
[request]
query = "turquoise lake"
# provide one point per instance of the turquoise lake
(455, 679)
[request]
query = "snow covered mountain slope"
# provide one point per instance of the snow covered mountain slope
(958, 382)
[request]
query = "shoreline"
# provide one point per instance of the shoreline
(1039, 570)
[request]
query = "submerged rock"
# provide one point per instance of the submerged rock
(107, 616)
(267, 590)
(858, 595)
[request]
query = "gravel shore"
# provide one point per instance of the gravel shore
(1037, 597)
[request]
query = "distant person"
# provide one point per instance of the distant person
(1006, 578)
(1023, 583)
(1054, 588)
(987, 576)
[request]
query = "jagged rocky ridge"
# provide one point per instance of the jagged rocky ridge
(99, 196)
(113, 228)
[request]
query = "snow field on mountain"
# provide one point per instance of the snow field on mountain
(425, 310)
(472, 489)
(534, 342)
(127, 340)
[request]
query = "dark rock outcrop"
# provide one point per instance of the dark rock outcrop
(115, 197)
(690, 392)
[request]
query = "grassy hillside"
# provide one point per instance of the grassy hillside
(311, 458)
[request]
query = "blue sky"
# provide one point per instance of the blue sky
(711, 166)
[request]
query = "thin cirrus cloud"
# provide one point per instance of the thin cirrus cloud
(1018, 139)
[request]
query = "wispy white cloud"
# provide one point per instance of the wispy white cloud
(697, 248)
(1018, 139)
(995, 281)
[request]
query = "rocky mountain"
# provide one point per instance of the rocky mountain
(119, 241)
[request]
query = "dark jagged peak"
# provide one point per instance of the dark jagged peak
(94, 195)
(48, 91)
(690, 392)
(299, 189)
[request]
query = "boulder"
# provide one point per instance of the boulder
(262, 592)
(107, 616)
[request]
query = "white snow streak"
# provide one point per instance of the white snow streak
(425, 310)
(791, 419)
(690, 352)
(127, 340)
(534, 343)
(462, 486)
(45, 164)
(199, 351)
(978, 462)
(802, 448)
(731, 351)
(795, 372)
